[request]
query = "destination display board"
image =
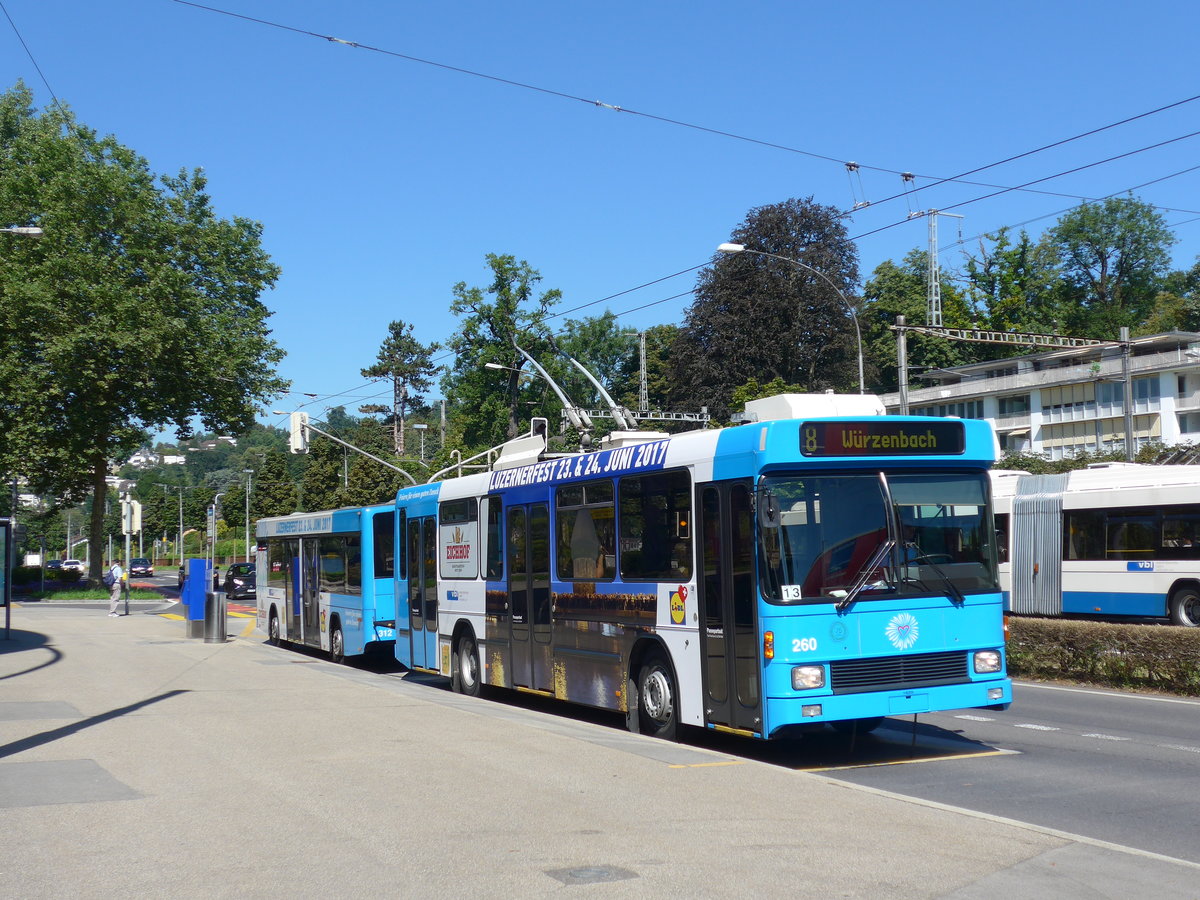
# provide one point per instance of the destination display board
(883, 436)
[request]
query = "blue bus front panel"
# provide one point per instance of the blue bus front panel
(886, 658)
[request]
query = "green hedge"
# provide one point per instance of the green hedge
(1156, 657)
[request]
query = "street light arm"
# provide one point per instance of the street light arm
(730, 248)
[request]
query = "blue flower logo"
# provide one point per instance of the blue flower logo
(902, 631)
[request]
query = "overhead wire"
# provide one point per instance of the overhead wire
(961, 178)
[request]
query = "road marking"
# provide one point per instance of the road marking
(1183, 747)
(1036, 727)
(1105, 737)
(908, 762)
(1070, 690)
(976, 718)
(248, 630)
(725, 762)
(175, 616)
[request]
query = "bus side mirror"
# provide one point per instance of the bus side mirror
(768, 510)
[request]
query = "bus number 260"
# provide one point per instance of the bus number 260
(804, 645)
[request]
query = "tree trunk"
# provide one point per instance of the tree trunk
(96, 531)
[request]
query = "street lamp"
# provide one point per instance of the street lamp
(249, 473)
(26, 230)
(741, 248)
(421, 427)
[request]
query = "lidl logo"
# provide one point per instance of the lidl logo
(679, 604)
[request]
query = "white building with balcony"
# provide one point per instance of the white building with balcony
(1061, 402)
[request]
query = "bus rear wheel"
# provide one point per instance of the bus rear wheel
(658, 701)
(465, 678)
(1185, 607)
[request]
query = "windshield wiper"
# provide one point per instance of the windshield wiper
(864, 574)
(923, 559)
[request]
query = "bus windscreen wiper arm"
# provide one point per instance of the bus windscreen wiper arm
(922, 559)
(864, 574)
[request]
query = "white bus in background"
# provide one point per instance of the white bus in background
(1114, 539)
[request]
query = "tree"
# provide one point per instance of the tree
(491, 405)
(138, 310)
(408, 363)
(902, 290)
(274, 491)
(1112, 257)
(761, 318)
(1010, 285)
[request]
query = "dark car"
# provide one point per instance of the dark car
(141, 566)
(239, 581)
(53, 567)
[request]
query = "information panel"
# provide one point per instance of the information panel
(882, 437)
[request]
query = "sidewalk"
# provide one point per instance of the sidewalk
(136, 762)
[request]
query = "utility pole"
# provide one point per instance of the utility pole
(933, 308)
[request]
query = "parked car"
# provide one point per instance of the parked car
(74, 565)
(53, 567)
(239, 581)
(141, 566)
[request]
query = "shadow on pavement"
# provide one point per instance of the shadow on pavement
(47, 737)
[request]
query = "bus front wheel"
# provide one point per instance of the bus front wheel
(273, 630)
(1185, 607)
(337, 644)
(658, 701)
(465, 678)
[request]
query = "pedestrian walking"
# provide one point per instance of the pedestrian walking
(116, 573)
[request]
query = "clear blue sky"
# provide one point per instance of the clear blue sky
(381, 181)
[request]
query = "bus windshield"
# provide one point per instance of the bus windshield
(819, 532)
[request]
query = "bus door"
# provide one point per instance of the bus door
(422, 591)
(528, 551)
(729, 632)
(310, 588)
(292, 604)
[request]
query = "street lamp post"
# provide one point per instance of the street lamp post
(249, 473)
(421, 427)
(25, 230)
(741, 248)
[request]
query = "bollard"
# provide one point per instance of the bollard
(214, 617)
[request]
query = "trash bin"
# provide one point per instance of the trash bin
(214, 617)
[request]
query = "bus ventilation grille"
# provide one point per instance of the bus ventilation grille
(853, 676)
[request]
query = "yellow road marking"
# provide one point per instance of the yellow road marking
(248, 630)
(244, 615)
(727, 762)
(924, 759)
(175, 616)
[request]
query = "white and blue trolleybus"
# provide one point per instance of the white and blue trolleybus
(821, 563)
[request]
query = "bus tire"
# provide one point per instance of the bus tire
(857, 726)
(337, 643)
(273, 629)
(658, 699)
(465, 679)
(1185, 607)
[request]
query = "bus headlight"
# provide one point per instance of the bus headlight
(987, 661)
(807, 677)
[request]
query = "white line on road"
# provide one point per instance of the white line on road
(1037, 727)
(1122, 694)
(1105, 737)
(976, 718)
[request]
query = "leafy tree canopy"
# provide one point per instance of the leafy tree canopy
(493, 405)
(139, 309)
(760, 317)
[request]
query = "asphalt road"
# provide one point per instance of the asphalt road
(1112, 766)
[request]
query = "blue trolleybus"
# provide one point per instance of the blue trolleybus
(326, 580)
(803, 568)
